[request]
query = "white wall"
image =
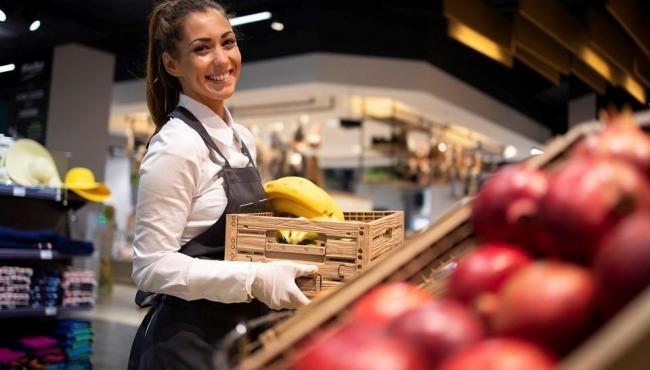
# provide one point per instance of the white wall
(79, 106)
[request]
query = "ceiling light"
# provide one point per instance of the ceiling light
(478, 42)
(35, 25)
(238, 21)
(536, 151)
(7, 68)
(3, 16)
(277, 26)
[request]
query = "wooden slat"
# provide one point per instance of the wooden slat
(588, 76)
(537, 65)
(336, 248)
(642, 69)
(296, 249)
(260, 223)
(380, 226)
(251, 241)
(633, 19)
(478, 16)
(606, 38)
(533, 40)
(550, 16)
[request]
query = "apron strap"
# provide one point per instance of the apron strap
(190, 119)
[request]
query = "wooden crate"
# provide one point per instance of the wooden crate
(621, 343)
(343, 249)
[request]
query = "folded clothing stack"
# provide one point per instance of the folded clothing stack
(12, 360)
(44, 352)
(14, 286)
(42, 239)
(76, 339)
(46, 289)
(78, 288)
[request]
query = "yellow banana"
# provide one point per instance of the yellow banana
(296, 194)
(293, 208)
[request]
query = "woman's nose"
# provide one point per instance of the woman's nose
(220, 56)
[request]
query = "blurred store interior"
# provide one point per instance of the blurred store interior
(387, 104)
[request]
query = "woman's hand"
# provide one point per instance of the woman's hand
(274, 283)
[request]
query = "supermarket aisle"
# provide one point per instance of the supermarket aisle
(115, 320)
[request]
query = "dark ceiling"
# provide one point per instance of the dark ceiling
(411, 29)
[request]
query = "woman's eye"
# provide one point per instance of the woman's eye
(229, 43)
(200, 49)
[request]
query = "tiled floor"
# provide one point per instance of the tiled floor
(115, 320)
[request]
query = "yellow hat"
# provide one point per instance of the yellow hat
(81, 180)
(28, 163)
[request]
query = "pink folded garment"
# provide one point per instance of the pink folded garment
(7, 356)
(38, 342)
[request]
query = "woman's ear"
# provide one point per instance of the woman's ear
(170, 64)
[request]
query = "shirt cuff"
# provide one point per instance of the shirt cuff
(219, 281)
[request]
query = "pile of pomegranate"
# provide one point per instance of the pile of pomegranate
(561, 251)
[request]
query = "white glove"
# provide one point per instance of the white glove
(274, 283)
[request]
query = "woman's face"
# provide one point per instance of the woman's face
(208, 59)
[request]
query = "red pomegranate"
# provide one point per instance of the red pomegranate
(623, 261)
(549, 303)
(500, 354)
(357, 347)
(507, 206)
(387, 301)
(484, 270)
(622, 139)
(585, 199)
(437, 329)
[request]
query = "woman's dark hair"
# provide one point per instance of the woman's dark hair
(165, 28)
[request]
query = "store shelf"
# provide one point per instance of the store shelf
(35, 254)
(33, 192)
(38, 312)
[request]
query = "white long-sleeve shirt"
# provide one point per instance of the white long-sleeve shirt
(181, 195)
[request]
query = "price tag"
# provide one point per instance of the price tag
(47, 255)
(19, 191)
(50, 311)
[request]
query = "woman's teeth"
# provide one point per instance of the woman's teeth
(220, 77)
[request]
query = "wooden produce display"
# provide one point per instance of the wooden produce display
(342, 249)
(424, 260)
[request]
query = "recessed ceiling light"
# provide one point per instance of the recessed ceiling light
(35, 25)
(7, 68)
(277, 26)
(256, 17)
(3, 16)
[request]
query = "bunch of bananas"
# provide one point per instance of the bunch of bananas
(300, 197)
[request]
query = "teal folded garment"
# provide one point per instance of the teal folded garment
(78, 338)
(78, 351)
(86, 343)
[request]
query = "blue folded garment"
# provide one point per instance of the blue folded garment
(43, 239)
(78, 247)
(33, 236)
(12, 244)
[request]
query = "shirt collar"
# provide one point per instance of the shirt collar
(217, 128)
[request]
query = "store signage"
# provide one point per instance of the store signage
(24, 96)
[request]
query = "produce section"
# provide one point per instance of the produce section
(549, 296)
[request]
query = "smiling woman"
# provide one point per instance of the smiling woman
(199, 166)
(207, 62)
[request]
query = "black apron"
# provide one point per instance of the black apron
(178, 334)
